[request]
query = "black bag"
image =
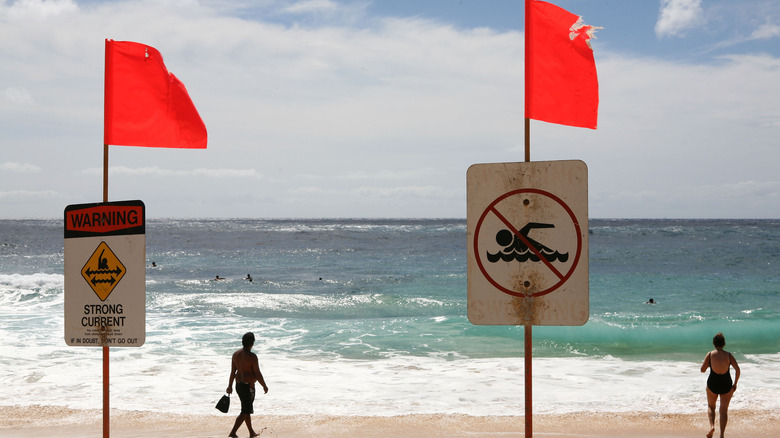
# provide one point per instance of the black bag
(223, 404)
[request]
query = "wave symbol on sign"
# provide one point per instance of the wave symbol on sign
(515, 248)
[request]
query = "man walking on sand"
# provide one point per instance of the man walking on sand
(245, 371)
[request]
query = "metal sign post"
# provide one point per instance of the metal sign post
(528, 249)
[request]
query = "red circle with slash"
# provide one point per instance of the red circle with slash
(562, 276)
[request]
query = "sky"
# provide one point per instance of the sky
(376, 109)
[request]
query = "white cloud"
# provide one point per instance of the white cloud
(11, 166)
(677, 16)
(40, 9)
(28, 194)
(740, 199)
(405, 191)
(308, 190)
(18, 95)
(388, 174)
(766, 31)
(157, 171)
(309, 6)
(399, 192)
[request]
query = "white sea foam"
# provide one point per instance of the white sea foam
(18, 287)
(170, 375)
(184, 365)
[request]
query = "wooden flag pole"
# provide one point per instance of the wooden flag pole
(106, 409)
(105, 173)
(527, 139)
(106, 422)
(528, 333)
(529, 428)
(528, 80)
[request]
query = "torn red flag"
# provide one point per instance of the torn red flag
(145, 104)
(561, 85)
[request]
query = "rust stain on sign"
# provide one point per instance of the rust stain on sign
(529, 309)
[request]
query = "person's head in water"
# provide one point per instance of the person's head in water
(248, 340)
(719, 341)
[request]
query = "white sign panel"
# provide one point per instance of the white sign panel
(528, 243)
(105, 274)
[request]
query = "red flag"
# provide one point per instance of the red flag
(561, 85)
(145, 104)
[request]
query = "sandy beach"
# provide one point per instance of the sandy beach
(39, 421)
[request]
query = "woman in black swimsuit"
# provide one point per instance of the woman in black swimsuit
(719, 382)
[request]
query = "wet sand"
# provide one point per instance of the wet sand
(37, 421)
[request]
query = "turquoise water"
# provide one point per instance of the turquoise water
(381, 304)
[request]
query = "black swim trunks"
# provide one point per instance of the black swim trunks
(719, 383)
(246, 393)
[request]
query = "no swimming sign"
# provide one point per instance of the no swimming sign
(528, 243)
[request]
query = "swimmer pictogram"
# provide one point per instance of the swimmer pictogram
(103, 271)
(519, 247)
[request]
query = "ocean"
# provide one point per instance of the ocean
(368, 317)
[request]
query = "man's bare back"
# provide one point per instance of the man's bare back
(246, 370)
(245, 367)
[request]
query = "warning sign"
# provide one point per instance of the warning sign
(105, 274)
(527, 227)
(103, 271)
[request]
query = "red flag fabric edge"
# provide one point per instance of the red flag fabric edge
(145, 104)
(561, 82)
